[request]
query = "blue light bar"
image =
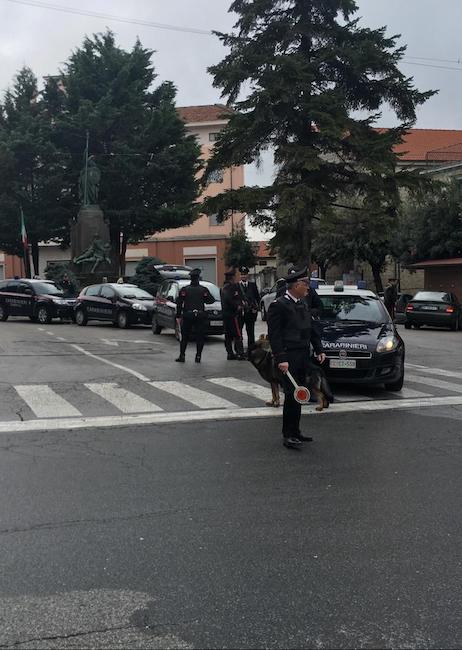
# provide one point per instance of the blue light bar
(314, 284)
(362, 284)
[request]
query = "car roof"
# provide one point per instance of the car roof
(31, 280)
(348, 290)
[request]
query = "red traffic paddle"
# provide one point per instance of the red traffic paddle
(301, 394)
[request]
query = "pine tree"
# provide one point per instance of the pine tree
(239, 250)
(315, 82)
(148, 163)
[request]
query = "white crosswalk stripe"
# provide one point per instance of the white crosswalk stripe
(246, 387)
(436, 383)
(44, 402)
(410, 393)
(124, 400)
(435, 371)
(200, 398)
(351, 397)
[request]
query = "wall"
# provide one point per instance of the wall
(444, 279)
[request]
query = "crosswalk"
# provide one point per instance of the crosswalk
(208, 394)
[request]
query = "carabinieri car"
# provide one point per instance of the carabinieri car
(123, 304)
(40, 300)
(359, 338)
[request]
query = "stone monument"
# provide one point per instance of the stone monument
(92, 256)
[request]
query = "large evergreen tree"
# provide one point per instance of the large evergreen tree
(306, 79)
(148, 163)
(32, 170)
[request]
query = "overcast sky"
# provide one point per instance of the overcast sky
(43, 39)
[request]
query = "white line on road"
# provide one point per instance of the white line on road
(436, 371)
(345, 397)
(109, 342)
(123, 399)
(44, 402)
(202, 416)
(436, 383)
(50, 333)
(61, 338)
(195, 396)
(409, 393)
(111, 363)
(246, 387)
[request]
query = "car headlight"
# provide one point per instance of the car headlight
(59, 301)
(139, 307)
(387, 344)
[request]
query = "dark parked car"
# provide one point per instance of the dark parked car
(122, 304)
(40, 300)
(164, 315)
(437, 308)
(359, 338)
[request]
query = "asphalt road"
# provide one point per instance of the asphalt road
(200, 530)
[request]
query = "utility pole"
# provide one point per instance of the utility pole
(85, 180)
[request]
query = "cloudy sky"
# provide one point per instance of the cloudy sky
(43, 38)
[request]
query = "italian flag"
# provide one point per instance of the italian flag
(25, 241)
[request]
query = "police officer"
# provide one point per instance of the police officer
(232, 306)
(290, 334)
(191, 314)
(251, 304)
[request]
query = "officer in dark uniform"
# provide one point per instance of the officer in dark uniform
(190, 312)
(251, 304)
(290, 334)
(232, 306)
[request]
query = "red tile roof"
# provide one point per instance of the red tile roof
(430, 145)
(209, 113)
(451, 261)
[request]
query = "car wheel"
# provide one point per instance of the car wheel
(43, 315)
(3, 313)
(156, 328)
(122, 320)
(417, 326)
(263, 312)
(407, 326)
(396, 386)
(80, 317)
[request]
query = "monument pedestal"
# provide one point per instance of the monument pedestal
(90, 225)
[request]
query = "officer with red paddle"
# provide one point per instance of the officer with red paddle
(290, 334)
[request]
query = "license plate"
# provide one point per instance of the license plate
(342, 363)
(216, 323)
(430, 308)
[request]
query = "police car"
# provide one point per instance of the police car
(40, 300)
(359, 339)
(122, 304)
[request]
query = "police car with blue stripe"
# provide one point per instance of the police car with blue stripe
(359, 338)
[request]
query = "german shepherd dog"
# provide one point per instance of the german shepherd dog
(260, 356)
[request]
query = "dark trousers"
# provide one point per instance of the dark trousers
(248, 319)
(193, 324)
(299, 362)
(233, 335)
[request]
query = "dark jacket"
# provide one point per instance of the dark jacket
(290, 328)
(231, 300)
(194, 297)
(250, 296)
(390, 295)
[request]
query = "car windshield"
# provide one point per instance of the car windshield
(134, 292)
(352, 308)
(47, 288)
(433, 296)
(214, 290)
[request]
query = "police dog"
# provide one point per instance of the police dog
(261, 358)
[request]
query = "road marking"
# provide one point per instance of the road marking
(436, 371)
(109, 342)
(61, 338)
(195, 396)
(247, 387)
(138, 375)
(116, 342)
(217, 415)
(436, 383)
(44, 402)
(50, 333)
(409, 393)
(345, 397)
(123, 399)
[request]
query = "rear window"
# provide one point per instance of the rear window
(434, 296)
(352, 308)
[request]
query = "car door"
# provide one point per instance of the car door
(27, 299)
(90, 301)
(107, 303)
(170, 304)
(13, 298)
(161, 304)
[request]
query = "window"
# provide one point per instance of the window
(47, 288)
(213, 137)
(173, 292)
(433, 296)
(213, 220)
(352, 308)
(215, 177)
(107, 292)
(93, 290)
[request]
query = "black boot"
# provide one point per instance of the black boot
(198, 358)
(181, 358)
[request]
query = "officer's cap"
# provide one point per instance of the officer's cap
(293, 275)
(244, 270)
(195, 273)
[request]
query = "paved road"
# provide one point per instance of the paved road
(195, 528)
